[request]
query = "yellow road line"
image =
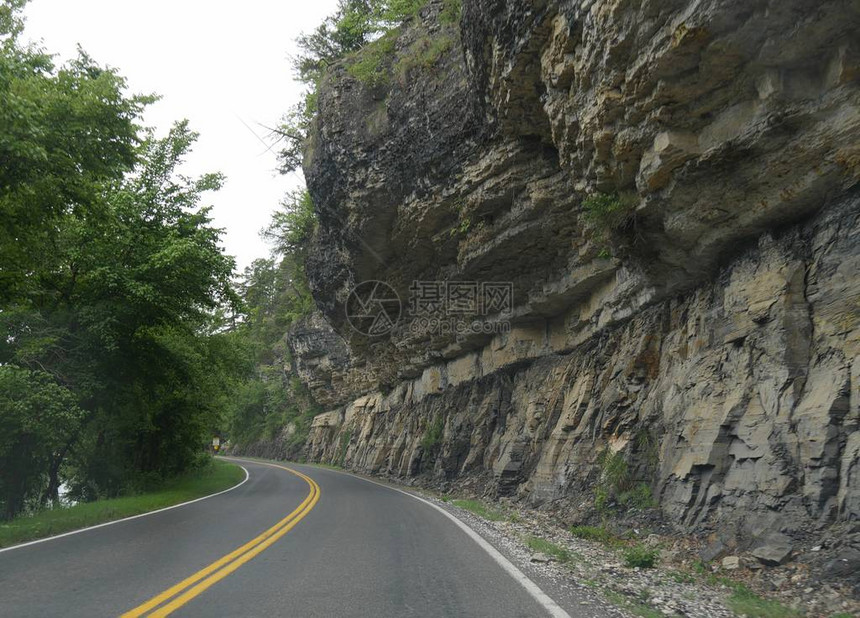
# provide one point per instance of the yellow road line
(222, 567)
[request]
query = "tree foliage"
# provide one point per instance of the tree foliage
(353, 26)
(125, 342)
(113, 367)
(275, 296)
(38, 420)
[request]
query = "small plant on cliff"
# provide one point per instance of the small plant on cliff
(614, 471)
(608, 212)
(639, 497)
(424, 53)
(371, 65)
(433, 436)
(462, 228)
(451, 11)
(343, 447)
(614, 478)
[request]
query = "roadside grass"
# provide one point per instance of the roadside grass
(327, 466)
(633, 606)
(549, 548)
(480, 509)
(217, 476)
(680, 577)
(745, 602)
(598, 534)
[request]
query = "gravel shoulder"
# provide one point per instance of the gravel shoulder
(593, 579)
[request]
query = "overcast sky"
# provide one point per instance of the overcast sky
(221, 65)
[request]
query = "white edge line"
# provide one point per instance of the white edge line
(545, 601)
(119, 521)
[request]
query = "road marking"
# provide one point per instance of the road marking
(119, 521)
(221, 568)
(545, 601)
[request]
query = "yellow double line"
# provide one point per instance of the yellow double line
(194, 585)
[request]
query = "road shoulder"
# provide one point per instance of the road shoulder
(57, 523)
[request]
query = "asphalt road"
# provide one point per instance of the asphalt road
(347, 548)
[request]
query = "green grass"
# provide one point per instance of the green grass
(599, 534)
(640, 497)
(343, 447)
(451, 11)
(680, 577)
(641, 556)
(370, 65)
(216, 477)
(328, 466)
(424, 53)
(632, 605)
(745, 602)
(480, 509)
(549, 548)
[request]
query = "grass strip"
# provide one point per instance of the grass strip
(210, 479)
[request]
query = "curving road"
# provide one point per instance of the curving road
(290, 541)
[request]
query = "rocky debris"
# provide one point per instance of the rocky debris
(540, 558)
(713, 550)
(730, 563)
(676, 587)
(775, 550)
(845, 565)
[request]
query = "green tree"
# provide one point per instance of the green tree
(39, 420)
(275, 295)
(144, 305)
(65, 132)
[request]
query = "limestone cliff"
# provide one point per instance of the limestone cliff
(704, 326)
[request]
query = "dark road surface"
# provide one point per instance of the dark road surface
(361, 550)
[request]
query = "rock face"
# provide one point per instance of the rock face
(709, 337)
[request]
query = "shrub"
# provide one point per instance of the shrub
(639, 497)
(433, 436)
(641, 556)
(394, 12)
(614, 472)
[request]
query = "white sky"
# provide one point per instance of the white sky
(216, 63)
